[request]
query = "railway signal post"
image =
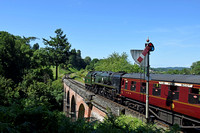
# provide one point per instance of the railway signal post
(150, 48)
(139, 58)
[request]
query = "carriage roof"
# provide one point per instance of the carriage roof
(193, 79)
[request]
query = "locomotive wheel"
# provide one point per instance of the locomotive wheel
(100, 91)
(86, 87)
(120, 101)
(130, 105)
(96, 90)
(111, 96)
(91, 88)
(104, 93)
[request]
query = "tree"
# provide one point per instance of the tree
(58, 48)
(36, 46)
(196, 67)
(171, 71)
(15, 56)
(116, 63)
(87, 60)
(90, 67)
(186, 71)
(75, 60)
(40, 58)
(80, 61)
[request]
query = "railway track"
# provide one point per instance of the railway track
(160, 124)
(131, 111)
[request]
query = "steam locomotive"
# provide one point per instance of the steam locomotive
(172, 98)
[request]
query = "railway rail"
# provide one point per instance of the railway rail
(125, 108)
(132, 112)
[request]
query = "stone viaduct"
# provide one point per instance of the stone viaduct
(81, 103)
(77, 103)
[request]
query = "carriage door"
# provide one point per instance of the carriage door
(173, 94)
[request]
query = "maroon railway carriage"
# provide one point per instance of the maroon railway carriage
(172, 98)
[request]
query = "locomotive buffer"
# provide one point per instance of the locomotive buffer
(142, 58)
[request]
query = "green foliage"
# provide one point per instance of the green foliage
(128, 124)
(75, 60)
(87, 60)
(58, 49)
(172, 70)
(73, 70)
(17, 57)
(91, 66)
(40, 58)
(40, 119)
(116, 63)
(186, 71)
(39, 93)
(36, 75)
(30, 107)
(78, 75)
(174, 129)
(36, 46)
(57, 93)
(29, 119)
(196, 67)
(14, 56)
(6, 86)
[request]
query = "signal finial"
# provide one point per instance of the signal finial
(148, 39)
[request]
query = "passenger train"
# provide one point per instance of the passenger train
(172, 98)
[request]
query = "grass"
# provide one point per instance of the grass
(74, 73)
(61, 72)
(79, 75)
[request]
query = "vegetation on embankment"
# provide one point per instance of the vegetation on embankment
(78, 75)
(30, 96)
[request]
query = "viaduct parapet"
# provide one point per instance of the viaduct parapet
(81, 103)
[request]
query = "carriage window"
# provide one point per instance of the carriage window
(173, 92)
(194, 96)
(133, 85)
(143, 87)
(126, 84)
(194, 91)
(156, 89)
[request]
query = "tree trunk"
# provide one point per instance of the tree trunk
(56, 71)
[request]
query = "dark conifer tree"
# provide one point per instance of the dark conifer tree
(58, 48)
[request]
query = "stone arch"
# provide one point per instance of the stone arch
(64, 93)
(67, 103)
(81, 111)
(64, 101)
(73, 108)
(68, 98)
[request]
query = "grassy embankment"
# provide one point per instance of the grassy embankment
(78, 75)
(75, 74)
